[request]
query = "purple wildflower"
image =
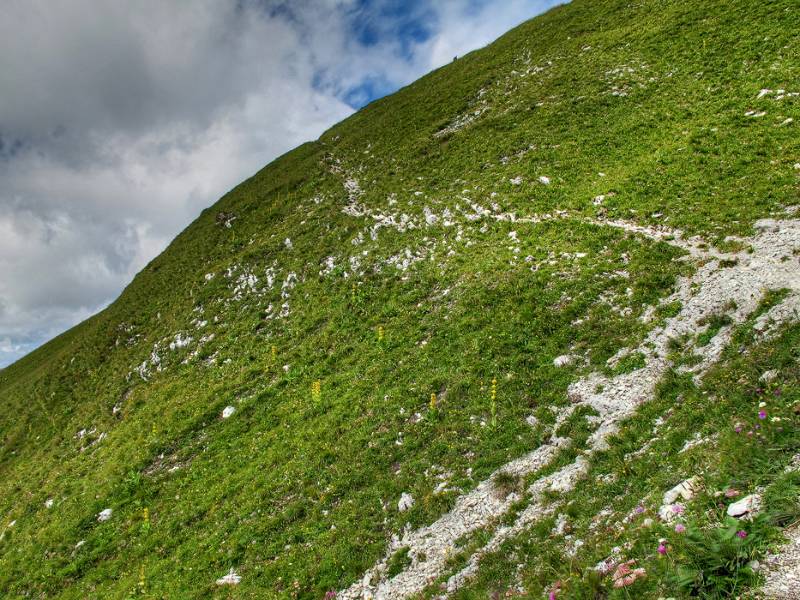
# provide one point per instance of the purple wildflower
(741, 534)
(680, 528)
(762, 414)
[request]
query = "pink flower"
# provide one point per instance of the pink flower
(762, 414)
(677, 509)
(662, 549)
(741, 534)
(680, 528)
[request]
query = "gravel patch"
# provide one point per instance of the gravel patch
(782, 571)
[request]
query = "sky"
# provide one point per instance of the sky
(120, 121)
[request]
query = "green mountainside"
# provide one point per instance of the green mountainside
(534, 289)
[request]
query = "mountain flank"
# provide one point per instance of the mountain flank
(526, 328)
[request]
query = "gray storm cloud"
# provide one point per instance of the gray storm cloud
(120, 121)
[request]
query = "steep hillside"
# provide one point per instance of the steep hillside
(462, 344)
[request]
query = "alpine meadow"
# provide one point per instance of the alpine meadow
(526, 328)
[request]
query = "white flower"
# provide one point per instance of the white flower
(229, 410)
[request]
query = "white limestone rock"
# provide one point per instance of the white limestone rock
(230, 579)
(563, 361)
(104, 515)
(685, 490)
(768, 376)
(405, 503)
(746, 508)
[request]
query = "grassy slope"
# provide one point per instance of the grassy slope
(297, 489)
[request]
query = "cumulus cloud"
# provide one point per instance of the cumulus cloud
(120, 121)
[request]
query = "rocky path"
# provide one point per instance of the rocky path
(782, 570)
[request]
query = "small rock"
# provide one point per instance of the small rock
(563, 360)
(685, 490)
(516, 180)
(230, 579)
(229, 410)
(768, 376)
(48, 503)
(405, 503)
(544, 179)
(104, 515)
(747, 507)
